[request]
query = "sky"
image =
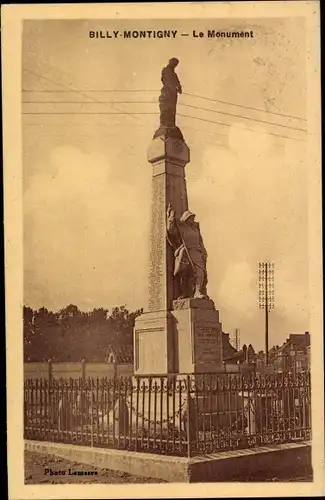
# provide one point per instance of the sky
(87, 181)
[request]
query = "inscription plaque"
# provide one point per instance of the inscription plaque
(148, 348)
(207, 345)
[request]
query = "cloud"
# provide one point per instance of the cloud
(251, 201)
(83, 230)
(237, 289)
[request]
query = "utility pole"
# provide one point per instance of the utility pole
(235, 339)
(266, 297)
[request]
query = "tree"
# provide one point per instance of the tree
(42, 323)
(99, 316)
(121, 324)
(72, 335)
(28, 332)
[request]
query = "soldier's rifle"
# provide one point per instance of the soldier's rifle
(182, 239)
(184, 244)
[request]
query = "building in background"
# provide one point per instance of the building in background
(228, 349)
(244, 358)
(293, 355)
(119, 355)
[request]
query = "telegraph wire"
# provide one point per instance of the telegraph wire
(243, 106)
(134, 115)
(88, 102)
(85, 113)
(70, 89)
(85, 94)
(74, 90)
(63, 134)
(153, 113)
(102, 124)
(229, 103)
(51, 91)
(180, 104)
(244, 117)
(242, 128)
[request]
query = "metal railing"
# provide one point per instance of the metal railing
(177, 415)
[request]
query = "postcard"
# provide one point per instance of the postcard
(163, 250)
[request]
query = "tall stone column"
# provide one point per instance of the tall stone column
(154, 339)
(168, 157)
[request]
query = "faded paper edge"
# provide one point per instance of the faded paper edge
(12, 16)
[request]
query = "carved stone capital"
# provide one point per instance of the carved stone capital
(170, 149)
(169, 132)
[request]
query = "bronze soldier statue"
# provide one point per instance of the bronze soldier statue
(169, 92)
(190, 255)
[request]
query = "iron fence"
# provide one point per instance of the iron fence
(176, 415)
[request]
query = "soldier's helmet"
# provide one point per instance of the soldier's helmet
(186, 215)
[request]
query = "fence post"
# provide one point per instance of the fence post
(83, 396)
(50, 395)
(50, 370)
(83, 370)
(188, 418)
(91, 414)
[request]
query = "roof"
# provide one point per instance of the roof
(236, 356)
(295, 340)
(227, 349)
(123, 354)
(300, 339)
(245, 354)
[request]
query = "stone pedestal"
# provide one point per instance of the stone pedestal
(198, 336)
(154, 349)
(186, 340)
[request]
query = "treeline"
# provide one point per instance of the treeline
(73, 335)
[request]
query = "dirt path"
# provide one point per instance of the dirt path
(38, 469)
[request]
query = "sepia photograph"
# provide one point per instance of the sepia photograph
(168, 238)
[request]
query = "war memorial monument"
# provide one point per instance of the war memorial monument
(183, 415)
(180, 331)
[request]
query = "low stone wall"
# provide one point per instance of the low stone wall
(257, 464)
(172, 469)
(290, 460)
(74, 370)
